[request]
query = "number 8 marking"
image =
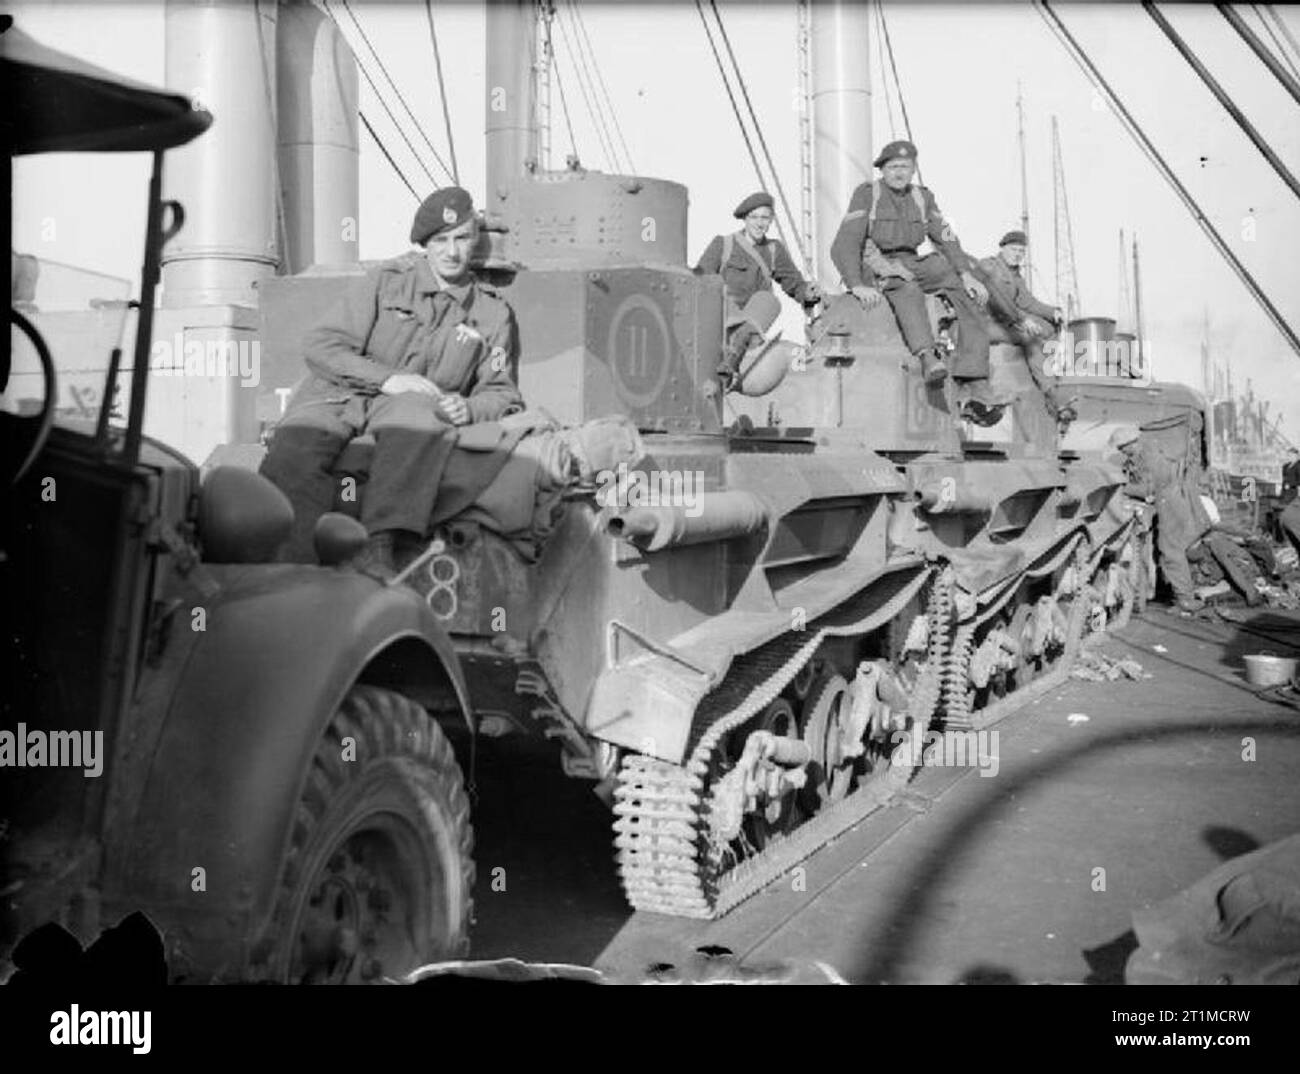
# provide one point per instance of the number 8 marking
(443, 573)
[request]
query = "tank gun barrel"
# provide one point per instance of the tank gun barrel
(715, 516)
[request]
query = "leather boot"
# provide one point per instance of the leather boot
(933, 369)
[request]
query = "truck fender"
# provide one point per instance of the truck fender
(232, 757)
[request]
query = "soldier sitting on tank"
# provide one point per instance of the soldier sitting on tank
(879, 250)
(417, 348)
(1154, 479)
(1026, 320)
(750, 263)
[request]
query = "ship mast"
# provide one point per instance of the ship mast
(1024, 188)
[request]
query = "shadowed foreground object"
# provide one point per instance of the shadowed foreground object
(243, 518)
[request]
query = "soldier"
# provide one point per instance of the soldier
(749, 263)
(878, 250)
(1154, 479)
(1027, 320)
(417, 348)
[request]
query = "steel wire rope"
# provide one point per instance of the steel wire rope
(387, 155)
(597, 118)
(379, 97)
(1085, 64)
(442, 92)
(735, 108)
(898, 83)
(762, 141)
(559, 85)
(396, 90)
(581, 24)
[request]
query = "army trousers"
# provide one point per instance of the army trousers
(1175, 533)
(935, 275)
(1289, 523)
(412, 447)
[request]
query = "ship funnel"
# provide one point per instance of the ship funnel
(841, 112)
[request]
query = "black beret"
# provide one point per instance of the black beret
(446, 208)
(894, 151)
(760, 200)
(1016, 238)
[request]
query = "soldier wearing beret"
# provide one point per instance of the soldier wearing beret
(750, 263)
(417, 348)
(878, 251)
(1026, 320)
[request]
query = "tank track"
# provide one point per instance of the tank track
(666, 859)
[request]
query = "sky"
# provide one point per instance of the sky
(959, 66)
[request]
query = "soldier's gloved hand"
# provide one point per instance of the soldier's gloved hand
(408, 382)
(975, 289)
(1058, 317)
(456, 407)
(868, 296)
(1033, 327)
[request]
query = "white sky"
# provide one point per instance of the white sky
(959, 67)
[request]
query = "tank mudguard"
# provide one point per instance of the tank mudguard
(282, 645)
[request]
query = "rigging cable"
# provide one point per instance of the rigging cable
(1213, 86)
(393, 85)
(1285, 30)
(379, 97)
(597, 117)
(758, 129)
(884, 82)
(1261, 50)
(898, 84)
(1277, 43)
(442, 92)
(388, 156)
(1085, 63)
(559, 85)
(595, 65)
(735, 108)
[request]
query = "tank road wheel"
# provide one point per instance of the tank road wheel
(776, 816)
(829, 777)
(379, 872)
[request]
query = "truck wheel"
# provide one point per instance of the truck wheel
(379, 871)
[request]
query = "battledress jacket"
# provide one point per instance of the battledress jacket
(399, 319)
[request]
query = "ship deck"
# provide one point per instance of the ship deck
(964, 878)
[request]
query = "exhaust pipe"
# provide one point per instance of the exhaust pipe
(719, 516)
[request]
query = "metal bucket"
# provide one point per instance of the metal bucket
(1264, 669)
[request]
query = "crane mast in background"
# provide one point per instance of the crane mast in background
(1067, 276)
(1126, 319)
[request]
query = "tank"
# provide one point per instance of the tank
(764, 621)
(826, 585)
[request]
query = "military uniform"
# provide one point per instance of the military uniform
(750, 269)
(1180, 522)
(1011, 303)
(871, 242)
(397, 319)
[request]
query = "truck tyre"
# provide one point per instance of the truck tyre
(379, 872)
